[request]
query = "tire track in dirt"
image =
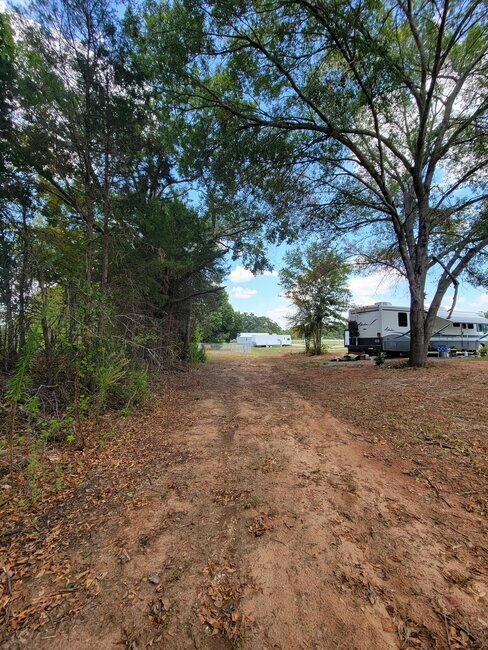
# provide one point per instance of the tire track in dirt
(276, 530)
(362, 567)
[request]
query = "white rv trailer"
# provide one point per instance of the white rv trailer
(263, 339)
(386, 327)
(285, 339)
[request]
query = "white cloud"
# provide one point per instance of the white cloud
(374, 287)
(281, 314)
(447, 304)
(242, 292)
(240, 274)
(481, 304)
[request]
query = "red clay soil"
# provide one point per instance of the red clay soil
(267, 503)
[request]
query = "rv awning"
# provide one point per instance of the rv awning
(461, 317)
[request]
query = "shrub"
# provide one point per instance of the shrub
(107, 373)
(133, 388)
(380, 358)
(197, 352)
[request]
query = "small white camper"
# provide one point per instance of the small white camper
(385, 327)
(263, 339)
(285, 339)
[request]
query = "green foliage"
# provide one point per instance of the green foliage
(220, 324)
(107, 373)
(197, 351)
(137, 385)
(380, 358)
(315, 280)
(20, 377)
(16, 387)
(7, 76)
(365, 119)
(253, 323)
(223, 324)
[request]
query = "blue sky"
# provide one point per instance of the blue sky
(262, 294)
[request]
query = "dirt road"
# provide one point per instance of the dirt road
(271, 524)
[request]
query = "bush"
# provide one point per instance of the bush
(380, 358)
(197, 352)
(133, 389)
(484, 351)
(110, 370)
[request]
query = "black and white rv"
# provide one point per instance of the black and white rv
(385, 327)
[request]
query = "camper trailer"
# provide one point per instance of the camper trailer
(285, 339)
(262, 339)
(385, 327)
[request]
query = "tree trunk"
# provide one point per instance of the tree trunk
(106, 217)
(10, 331)
(318, 343)
(105, 268)
(44, 321)
(89, 245)
(7, 297)
(187, 336)
(23, 280)
(418, 344)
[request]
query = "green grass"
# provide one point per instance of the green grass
(233, 350)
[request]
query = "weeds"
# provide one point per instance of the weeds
(351, 485)
(15, 390)
(107, 373)
(247, 504)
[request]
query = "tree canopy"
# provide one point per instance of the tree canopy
(143, 146)
(379, 109)
(315, 280)
(224, 323)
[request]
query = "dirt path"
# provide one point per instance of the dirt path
(277, 526)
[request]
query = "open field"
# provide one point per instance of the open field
(217, 351)
(265, 501)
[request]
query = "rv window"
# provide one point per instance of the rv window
(470, 326)
(457, 324)
(402, 319)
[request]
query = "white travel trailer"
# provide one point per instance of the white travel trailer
(385, 327)
(285, 339)
(262, 339)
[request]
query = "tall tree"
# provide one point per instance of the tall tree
(385, 103)
(315, 280)
(105, 252)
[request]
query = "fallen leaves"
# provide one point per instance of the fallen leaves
(79, 493)
(161, 611)
(219, 609)
(261, 525)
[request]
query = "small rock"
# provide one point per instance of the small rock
(154, 579)
(372, 596)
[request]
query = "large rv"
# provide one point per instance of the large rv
(384, 327)
(263, 339)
